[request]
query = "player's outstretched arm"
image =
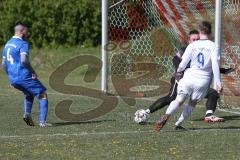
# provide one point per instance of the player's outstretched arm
(185, 59)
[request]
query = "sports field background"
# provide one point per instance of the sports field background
(112, 136)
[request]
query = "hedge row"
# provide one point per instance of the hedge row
(53, 22)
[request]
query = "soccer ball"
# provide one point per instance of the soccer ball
(141, 116)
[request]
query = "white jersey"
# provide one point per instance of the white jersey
(204, 61)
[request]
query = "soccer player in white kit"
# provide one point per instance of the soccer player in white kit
(194, 85)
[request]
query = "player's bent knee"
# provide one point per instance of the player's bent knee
(29, 98)
(192, 103)
(43, 96)
(181, 98)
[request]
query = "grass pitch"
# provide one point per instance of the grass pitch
(112, 136)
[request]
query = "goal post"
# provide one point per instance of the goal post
(230, 54)
(218, 24)
(144, 35)
(104, 73)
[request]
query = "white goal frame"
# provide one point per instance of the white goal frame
(104, 54)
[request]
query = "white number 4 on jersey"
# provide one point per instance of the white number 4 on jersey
(9, 56)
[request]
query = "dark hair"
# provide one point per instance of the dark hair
(205, 27)
(22, 24)
(194, 31)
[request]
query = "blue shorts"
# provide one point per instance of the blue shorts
(30, 87)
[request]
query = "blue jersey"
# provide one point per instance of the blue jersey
(12, 53)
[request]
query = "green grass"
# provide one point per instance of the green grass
(51, 58)
(112, 136)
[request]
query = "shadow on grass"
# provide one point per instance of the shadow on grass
(227, 118)
(215, 128)
(204, 129)
(147, 123)
(76, 123)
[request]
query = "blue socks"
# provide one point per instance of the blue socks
(43, 108)
(28, 102)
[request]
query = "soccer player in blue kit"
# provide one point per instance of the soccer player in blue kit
(15, 62)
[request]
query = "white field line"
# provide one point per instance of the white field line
(49, 93)
(75, 134)
(109, 133)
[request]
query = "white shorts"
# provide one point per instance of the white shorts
(196, 89)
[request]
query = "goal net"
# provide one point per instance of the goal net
(144, 35)
(230, 56)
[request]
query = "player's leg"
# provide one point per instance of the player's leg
(28, 102)
(37, 89)
(212, 98)
(185, 114)
(183, 91)
(43, 108)
(174, 105)
(162, 102)
(158, 104)
(199, 90)
(211, 104)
